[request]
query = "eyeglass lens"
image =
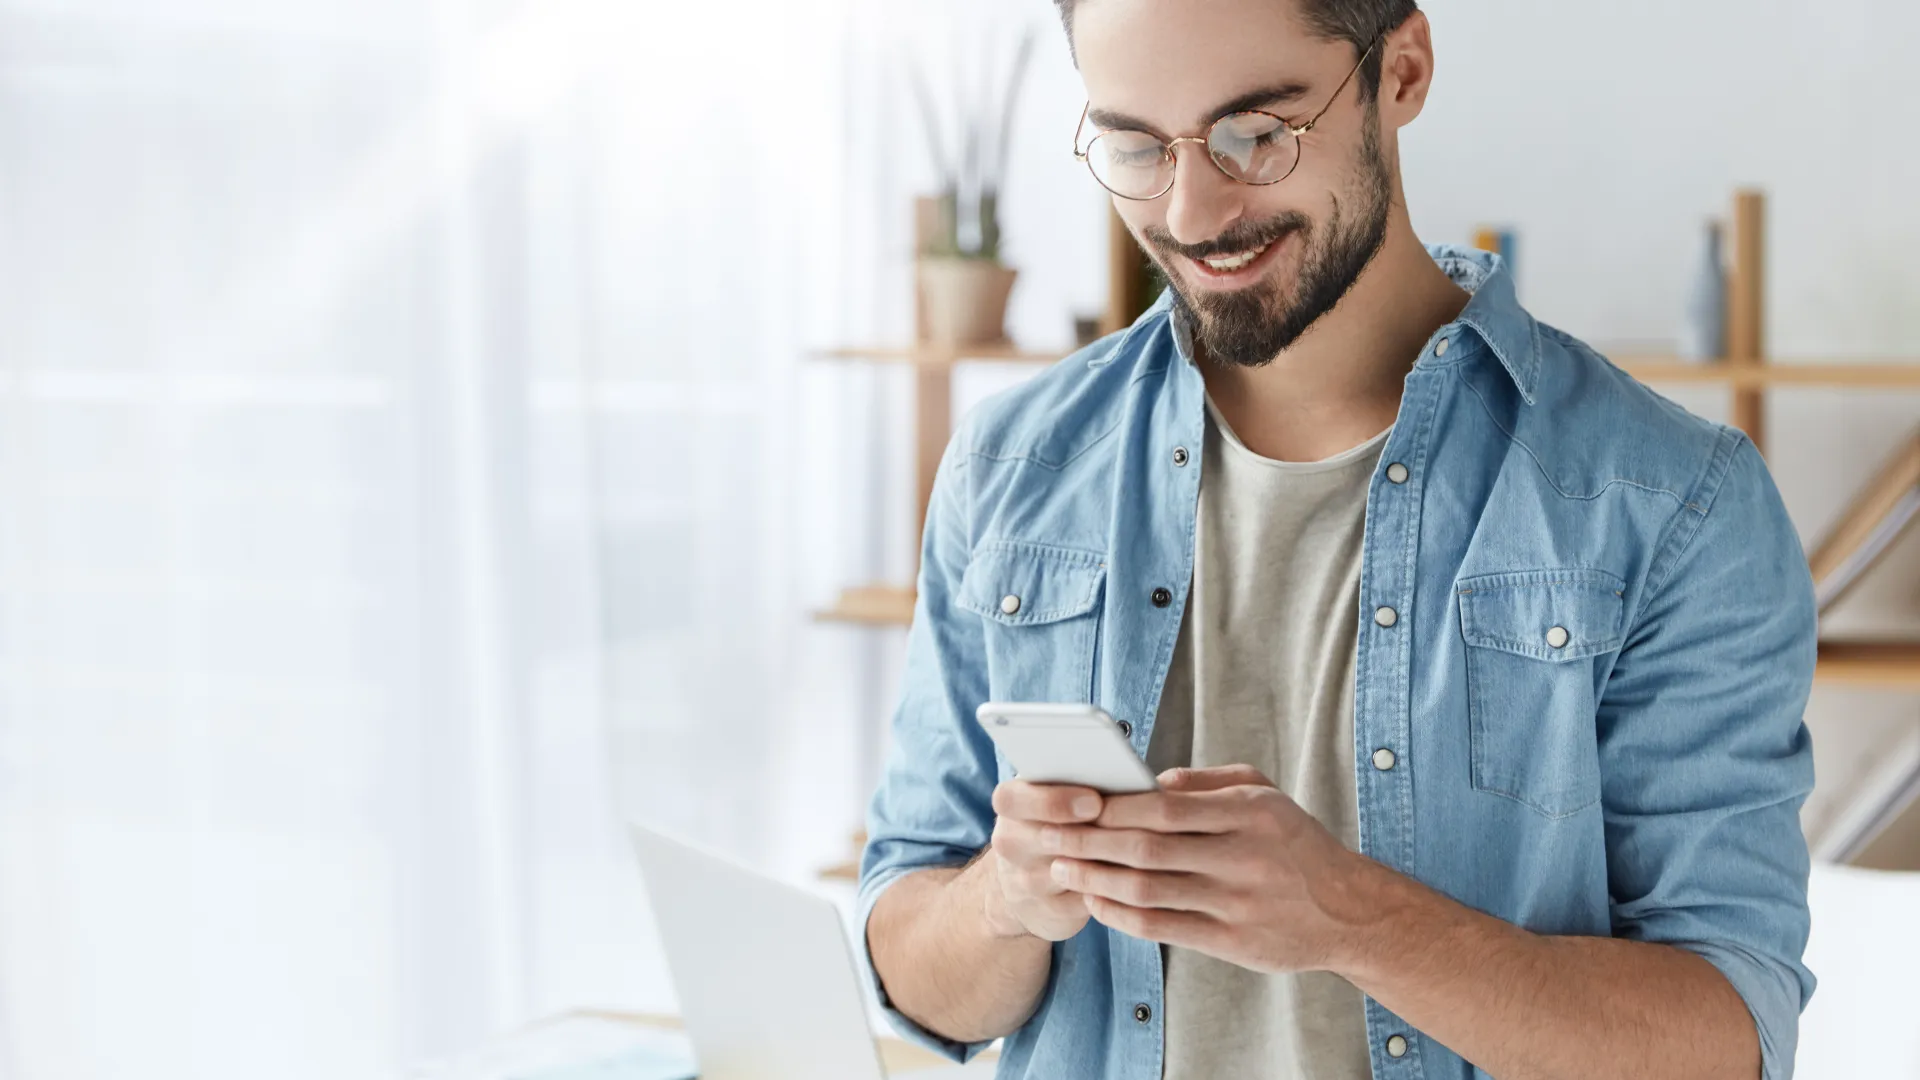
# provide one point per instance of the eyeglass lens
(1251, 147)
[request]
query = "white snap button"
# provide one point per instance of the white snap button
(1010, 605)
(1557, 636)
(1383, 759)
(1441, 348)
(1386, 616)
(1396, 1046)
(1397, 473)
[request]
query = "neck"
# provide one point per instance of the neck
(1340, 383)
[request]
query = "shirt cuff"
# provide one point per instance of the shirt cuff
(1773, 998)
(870, 891)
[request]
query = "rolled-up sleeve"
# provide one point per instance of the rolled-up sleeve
(934, 806)
(1705, 756)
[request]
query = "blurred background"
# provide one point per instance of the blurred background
(428, 439)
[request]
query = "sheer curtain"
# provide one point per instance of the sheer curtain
(407, 472)
(704, 215)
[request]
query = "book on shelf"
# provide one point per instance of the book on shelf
(1876, 517)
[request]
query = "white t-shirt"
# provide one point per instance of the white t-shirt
(1263, 675)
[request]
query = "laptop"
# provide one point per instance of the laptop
(766, 979)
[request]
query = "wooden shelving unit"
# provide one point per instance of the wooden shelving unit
(891, 605)
(1748, 375)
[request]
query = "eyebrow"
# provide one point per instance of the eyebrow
(1277, 94)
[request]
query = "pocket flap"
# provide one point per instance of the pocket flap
(1022, 584)
(1526, 612)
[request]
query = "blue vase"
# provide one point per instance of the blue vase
(1703, 338)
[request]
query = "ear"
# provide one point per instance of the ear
(1406, 71)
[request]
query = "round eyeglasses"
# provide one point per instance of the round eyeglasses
(1252, 147)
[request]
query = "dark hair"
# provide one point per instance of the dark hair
(1357, 22)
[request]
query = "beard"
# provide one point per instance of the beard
(1249, 327)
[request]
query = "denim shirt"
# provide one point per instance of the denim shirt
(1586, 635)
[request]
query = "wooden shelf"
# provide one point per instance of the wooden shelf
(932, 355)
(1863, 375)
(871, 605)
(1887, 665)
(849, 870)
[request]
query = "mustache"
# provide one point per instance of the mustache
(1244, 236)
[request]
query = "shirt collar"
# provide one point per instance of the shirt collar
(1494, 313)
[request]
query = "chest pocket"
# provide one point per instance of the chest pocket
(1040, 606)
(1532, 637)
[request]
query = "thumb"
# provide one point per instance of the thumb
(1213, 778)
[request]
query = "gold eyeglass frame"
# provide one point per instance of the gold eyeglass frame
(1166, 148)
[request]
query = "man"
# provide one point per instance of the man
(1479, 667)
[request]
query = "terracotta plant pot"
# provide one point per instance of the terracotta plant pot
(965, 300)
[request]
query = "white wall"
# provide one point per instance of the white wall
(1605, 134)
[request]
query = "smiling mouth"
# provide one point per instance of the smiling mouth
(1226, 264)
(1238, 269)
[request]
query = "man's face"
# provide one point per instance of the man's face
(1169, 69)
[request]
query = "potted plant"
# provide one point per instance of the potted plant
(963, 284)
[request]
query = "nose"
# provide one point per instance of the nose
(1204, 201)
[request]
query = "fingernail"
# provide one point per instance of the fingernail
(1086, 806)
(1059, 872)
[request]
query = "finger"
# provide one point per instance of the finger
(1022, 845)
(1185, 929)
(1030, 883)
(1142, 849)
(1225, 810)
(1029, 875)
(1213, 778)
(1061, 803)
(1140, 888)
(1017, 842)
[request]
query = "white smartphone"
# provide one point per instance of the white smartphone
(1066, 744)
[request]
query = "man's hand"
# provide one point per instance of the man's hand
(1218, 861)
(1028, 900)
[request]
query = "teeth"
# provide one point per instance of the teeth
(1235, 262)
